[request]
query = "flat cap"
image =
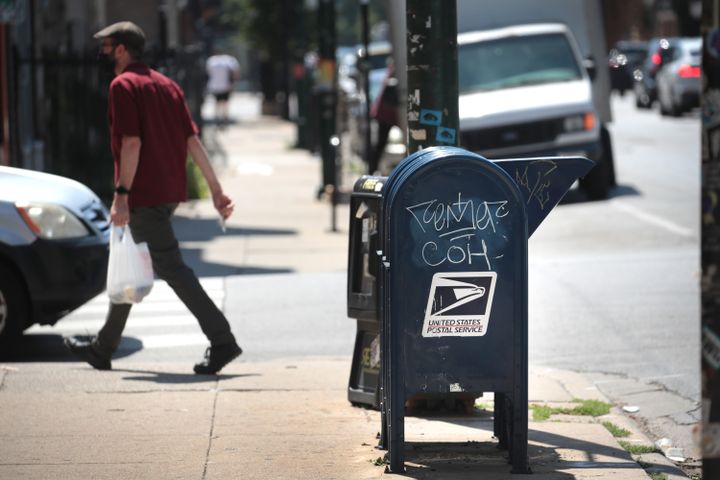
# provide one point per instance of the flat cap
(128, 30)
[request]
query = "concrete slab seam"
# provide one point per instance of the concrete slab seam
(212, 429)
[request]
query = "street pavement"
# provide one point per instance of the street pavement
(281, 410)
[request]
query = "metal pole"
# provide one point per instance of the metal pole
(432, 74)
(709, 252)
(326, 86)
(368, 150)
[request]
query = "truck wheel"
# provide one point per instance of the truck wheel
(595, 183)
(608, 157)
(601, 178)
(13, 306)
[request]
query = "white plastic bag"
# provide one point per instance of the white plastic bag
(130, 272)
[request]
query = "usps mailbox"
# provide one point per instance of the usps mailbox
(453, 239)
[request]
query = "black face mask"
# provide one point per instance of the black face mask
(106, 61)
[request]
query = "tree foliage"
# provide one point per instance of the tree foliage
(272, 26)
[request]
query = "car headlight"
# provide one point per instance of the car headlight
(51, 221)
(579, 123)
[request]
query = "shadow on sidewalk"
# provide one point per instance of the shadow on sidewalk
(194, 259)
(170, 378)
(465, 460)
(44, 347)
(205, 229)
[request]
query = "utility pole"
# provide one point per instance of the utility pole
(710, 244)
(432, 74)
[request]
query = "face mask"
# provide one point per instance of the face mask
(106, 61)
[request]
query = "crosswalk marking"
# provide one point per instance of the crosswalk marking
(160, 309)
(173, 340)
(98, 309)
(134, 321)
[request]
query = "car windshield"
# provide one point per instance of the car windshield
(516, 61)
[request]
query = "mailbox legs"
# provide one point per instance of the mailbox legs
(500, 420)
(395, 396)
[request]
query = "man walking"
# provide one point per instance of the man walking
(151, 133)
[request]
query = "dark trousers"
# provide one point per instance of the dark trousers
(152, 225)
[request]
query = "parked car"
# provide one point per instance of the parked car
(645, 86)
(626, 57)
(54, 235)
(678, 81)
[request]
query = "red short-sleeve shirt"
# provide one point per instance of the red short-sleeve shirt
(144, 103)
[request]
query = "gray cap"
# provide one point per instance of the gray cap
(127, 31)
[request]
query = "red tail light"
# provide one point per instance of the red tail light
(688, 71)
(656, 59)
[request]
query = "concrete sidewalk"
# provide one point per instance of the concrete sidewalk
(286, 419)
(282, 418)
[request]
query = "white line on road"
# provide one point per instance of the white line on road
(133, 322)
(174, 340)
(100, 309)
(653, 219)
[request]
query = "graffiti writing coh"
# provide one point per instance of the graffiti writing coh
(460, 231)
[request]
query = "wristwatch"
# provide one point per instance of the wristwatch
(121, 190)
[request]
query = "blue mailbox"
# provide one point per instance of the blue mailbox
(453, 283)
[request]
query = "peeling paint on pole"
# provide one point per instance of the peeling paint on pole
(432, 71)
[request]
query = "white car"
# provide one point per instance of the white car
(54, 235)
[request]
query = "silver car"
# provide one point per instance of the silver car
(678, 81)
(54, 235)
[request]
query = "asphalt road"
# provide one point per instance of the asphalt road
(614, 284)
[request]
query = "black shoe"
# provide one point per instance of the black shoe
(84, 351)
(217, 357)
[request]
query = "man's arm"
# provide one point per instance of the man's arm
(129, 158)
(223, 204)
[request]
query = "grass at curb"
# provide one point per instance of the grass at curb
(617, 432)
(634, 449)
(591, 408)
(658, 476)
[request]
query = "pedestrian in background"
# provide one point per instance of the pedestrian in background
(385, 109)
(223, 71)
(151, 133)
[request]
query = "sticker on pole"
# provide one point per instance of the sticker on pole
(459, 304)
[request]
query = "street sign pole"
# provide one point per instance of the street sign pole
(327, 96)
(365, 69)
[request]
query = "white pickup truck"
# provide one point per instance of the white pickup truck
(524, 91)
(562, 108)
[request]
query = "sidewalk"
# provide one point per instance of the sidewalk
(274, 417)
